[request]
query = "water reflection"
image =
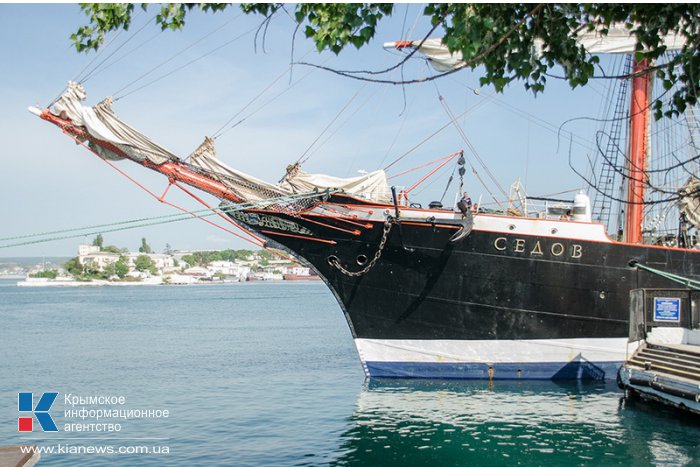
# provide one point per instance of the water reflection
(456, 423)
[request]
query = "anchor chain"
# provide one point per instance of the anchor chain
(334, 261)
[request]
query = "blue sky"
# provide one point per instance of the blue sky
(49, 183)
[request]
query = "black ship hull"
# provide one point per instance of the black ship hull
(503, 302)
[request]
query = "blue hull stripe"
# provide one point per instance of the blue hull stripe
(546, 370)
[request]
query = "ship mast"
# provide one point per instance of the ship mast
(637, 161)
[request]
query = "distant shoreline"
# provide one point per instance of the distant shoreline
(105, 283)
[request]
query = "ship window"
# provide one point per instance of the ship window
(361, 260)
(579, 209)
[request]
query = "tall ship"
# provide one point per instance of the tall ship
(450, 292)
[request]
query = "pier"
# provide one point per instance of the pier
(665, 367)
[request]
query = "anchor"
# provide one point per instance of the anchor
(467, 221)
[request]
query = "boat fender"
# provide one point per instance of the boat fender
(466, 229)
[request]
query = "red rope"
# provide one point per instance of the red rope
(340, 219)
(64, 125)
(432, 172)
(451, 156)
(162, 200)
(224, 217)
(320, 240)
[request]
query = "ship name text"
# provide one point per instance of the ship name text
(539, 248)
(263, 220)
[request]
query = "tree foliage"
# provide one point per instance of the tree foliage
(73, 266)
(145, 247)
(46, 274)
(109, 270)
(144, 263)
(204, 258)
(498, 37)
(98, 240)
(112, 249)
(121, 267)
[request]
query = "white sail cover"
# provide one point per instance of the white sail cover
(371, 186)
(439, 55)
(246, 186)
(103, 124)
(618, 40)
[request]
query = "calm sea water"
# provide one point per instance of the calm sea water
(266, 373)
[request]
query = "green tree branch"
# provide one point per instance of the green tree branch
(500, 38)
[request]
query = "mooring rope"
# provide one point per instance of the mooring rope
(692, 283)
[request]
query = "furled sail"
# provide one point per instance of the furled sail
(102, 124)
(371, 186)
(617, 40)
(620, 40)
(435, 51)
(689, 200)
(247, 186)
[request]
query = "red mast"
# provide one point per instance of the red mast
(636, 168)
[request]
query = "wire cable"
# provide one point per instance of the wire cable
(92, 72)
(303, 159)
(178, 54)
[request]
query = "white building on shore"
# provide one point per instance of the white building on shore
(91, 256)
(163, 262)
(229, 269)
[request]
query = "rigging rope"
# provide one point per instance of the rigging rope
(343, 123)
(220, 131)
(471, 147)
(435, 133)
(96, 226)
(268, 102)
(92, 73)
(301, 158)
(439, 159)
(179, 54)
(429, 174)
(398, 133)
(449, 182)
(258, 242)
(552, 128)
(101, 231)
(150, 221)
(126, 54)
(99, 53)
(474, 152)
